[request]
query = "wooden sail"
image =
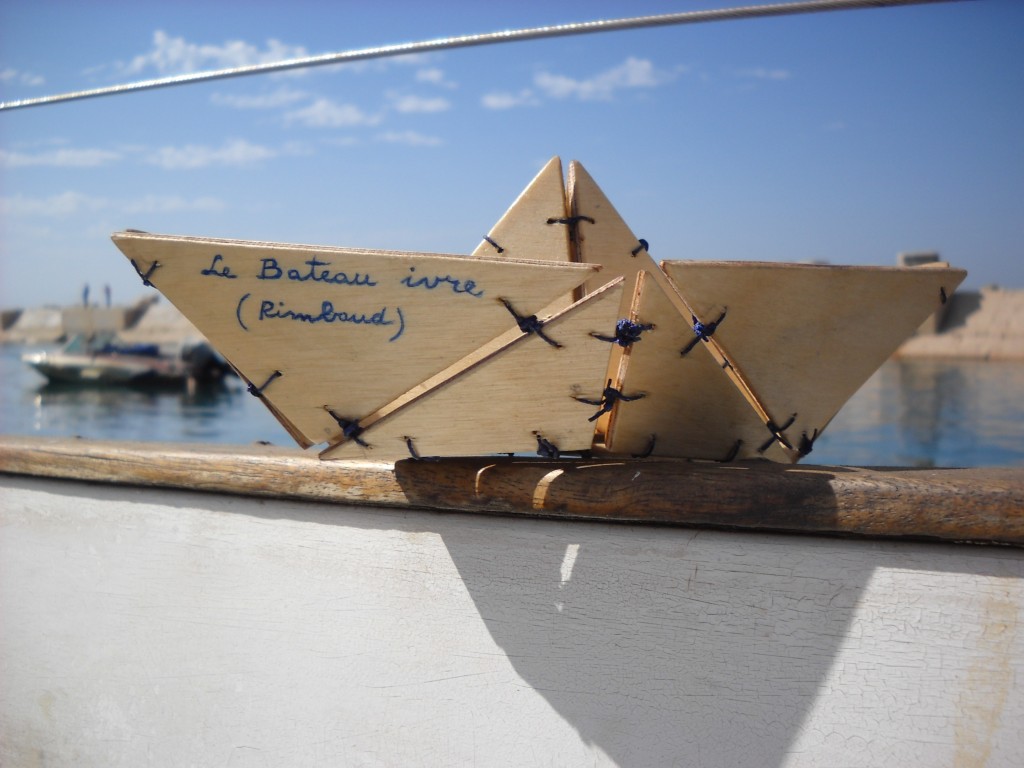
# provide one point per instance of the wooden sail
(310, 326)
(691, 407)
(523, 232)
(520, 397)
(603, 237)
(806, 337)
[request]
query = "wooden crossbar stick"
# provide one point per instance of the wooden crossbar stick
(487, 352)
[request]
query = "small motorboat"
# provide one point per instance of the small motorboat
(103, 359)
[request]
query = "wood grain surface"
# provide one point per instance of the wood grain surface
(977, 505)
(317, 327)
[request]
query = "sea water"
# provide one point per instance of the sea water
(910, 413)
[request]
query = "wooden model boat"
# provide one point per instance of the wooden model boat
(256, 606)
(560, 333)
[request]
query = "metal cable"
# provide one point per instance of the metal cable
(466, 41)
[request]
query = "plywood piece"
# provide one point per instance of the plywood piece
(606, 240)
(806, 337)
(602, 237)
(341, 325)
(692, 409)
(501, 404)
(523, 232)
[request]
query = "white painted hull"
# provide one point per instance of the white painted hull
(166, 627)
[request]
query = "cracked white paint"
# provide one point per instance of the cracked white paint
(151, 628)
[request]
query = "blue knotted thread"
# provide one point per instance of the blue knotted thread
(609, 397)
(350, 428)
(701, 332)
(529, 324)
(626, 333)
(643, 246)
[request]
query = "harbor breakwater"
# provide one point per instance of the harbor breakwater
(147, 320)
(972, 325)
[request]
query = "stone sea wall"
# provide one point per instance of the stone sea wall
(976, 325)
(145, 321)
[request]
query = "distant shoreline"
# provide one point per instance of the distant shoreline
(986, 324)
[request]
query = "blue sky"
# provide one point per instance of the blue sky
(846, 136)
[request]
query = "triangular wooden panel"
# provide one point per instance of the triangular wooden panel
(806, 337)
(603, 237)
(502, 404)
(523, 232)
(691, 408)
(314, 325)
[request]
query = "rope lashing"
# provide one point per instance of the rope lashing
(807, 443)
(702, 332)
(252, 389)
(414, 453)
(626, 333)
(497, 247)
(572, 222)
(546, 448)
(609, 398)
(529, 324)
(777, 434)
(349, 428)
(148, 274)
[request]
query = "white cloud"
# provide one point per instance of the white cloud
(69, 203)
(434, 76)
(53, 207)
(59, 158)
(409, 104)
(760, 73)
(282, 97)
(410, 138)
(174, 55)
(324, 113)
(297, 149)
(170, 204)
(502, 100)
(14, 77)
(237, 152)
(632, 73)
(342, 141)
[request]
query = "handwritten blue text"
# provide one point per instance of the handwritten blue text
(430, 283)
(271, 270)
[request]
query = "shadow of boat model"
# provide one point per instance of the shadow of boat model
(676, 647)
